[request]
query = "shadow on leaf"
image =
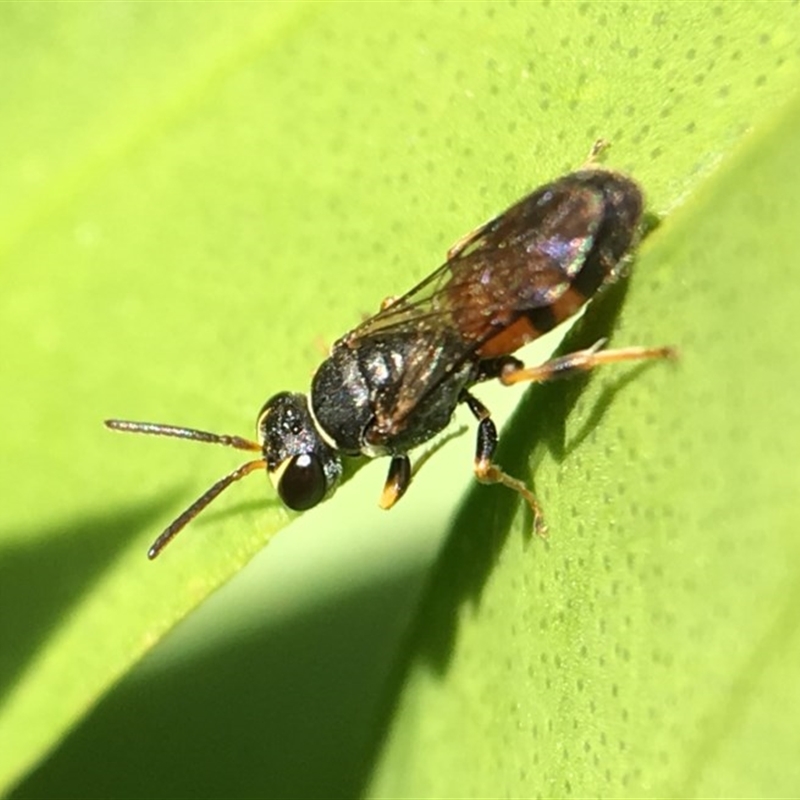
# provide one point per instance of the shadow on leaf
(44, 574)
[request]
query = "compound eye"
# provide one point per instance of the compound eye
(302, 484)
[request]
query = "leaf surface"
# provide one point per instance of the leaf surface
(196, 195)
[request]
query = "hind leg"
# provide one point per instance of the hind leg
(579, 361)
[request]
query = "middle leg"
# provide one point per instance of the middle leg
(486, 471)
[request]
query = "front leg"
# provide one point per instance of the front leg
(486, 471)
(397, 481)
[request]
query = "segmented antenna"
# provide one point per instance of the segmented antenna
(157, 429)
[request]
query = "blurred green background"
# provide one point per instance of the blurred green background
(196, 196)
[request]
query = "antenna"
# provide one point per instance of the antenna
(157, 429)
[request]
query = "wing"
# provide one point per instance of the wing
(517, 263)
(521, 260)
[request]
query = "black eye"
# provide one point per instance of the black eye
(302, 484)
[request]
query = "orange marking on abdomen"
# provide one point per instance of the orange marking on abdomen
(533, 324)
(510, 340)
(567, 305)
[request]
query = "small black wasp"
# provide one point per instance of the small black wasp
(394, 381)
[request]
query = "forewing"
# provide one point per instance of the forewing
(523, 259)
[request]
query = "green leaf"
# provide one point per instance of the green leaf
(195, 195)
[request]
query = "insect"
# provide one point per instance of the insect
(394, 381)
